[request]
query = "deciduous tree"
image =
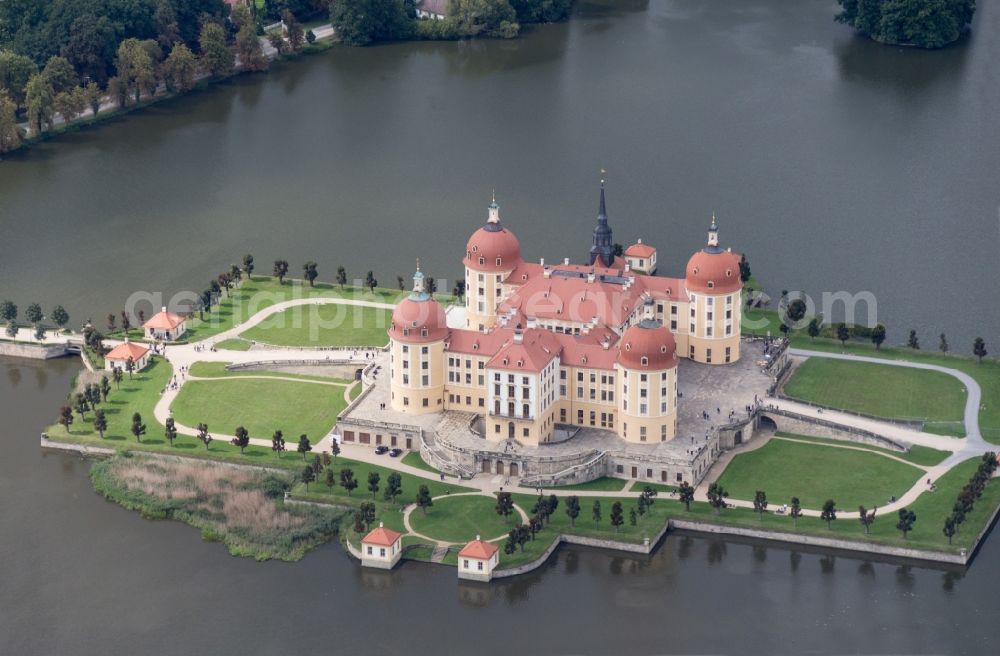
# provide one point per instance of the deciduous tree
(242, 438)
(760, 503)
(280, 270)
(572, 509)
(979, 349)
(278, 442)
(373, 481)
(685, 494)
(304, 446)
(100, 423)
(505, 504)
(307, 476)
(424, 500)
(717, 497)
(310, 273)
(138, 428)
(215, 56)
(829, 512)
(878, 336)
(66, 417)
(203, 435)
(906, 519)
(617, 517)
(393, 486)
(347, 480)
(170, 430)
(180, 68)
(249, 50)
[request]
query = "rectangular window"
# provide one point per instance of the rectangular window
(579, 376)
(579, 416)
(642, 433)
(593, 418)
(708, 355)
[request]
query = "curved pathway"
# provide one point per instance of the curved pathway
(411, 507)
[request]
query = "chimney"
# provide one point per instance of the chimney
(628, 267)
(477, 538)
(542, 261)
(640, 240)
(566, 260)
(163, 309)
(518, 337)
(605, 343)
(591, 277)
(381, 525)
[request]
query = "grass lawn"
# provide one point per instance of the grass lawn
(815, 473)
(414, 459)
(262, 406)
(233, 345)
(878, 390)
(602, 484)
(460, 519)
(262, 292)
(323, 325)
(918, 455)
(354, 392)
(218, 370)
(661, 488)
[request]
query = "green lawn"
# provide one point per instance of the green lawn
(815, 473)
(262, 292)
(602, 484)
(337, 494)
(218, 370)
(918, 455)
(262, 406)
(880, 390)
(460, 519)
(414, 459)
(233, 345)
(660, 488)
(355, 391)
(323, 325)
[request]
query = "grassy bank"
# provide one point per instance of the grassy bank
(918, 455)
(242, 508)
(218, 370)
(323, 325)
(904, 394)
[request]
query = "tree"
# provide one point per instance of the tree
(242, 438)
(843, 333)
(922, 23)
(180, 68)
(347, 480)
(118, 91)
(215, 56)
(317, 465)
(249, 51)
(813, 328)
(744, 269)
(829, 512)
(130, 366)
(341, 276)
(430, 285)
(280, 270)
(296, 34)
(867, 518)
(617, 517)
(331, 479)
(248, 265)
(906, 519)
(370, 281)
(878, 336)
(100, 423)
(138, 428)
(60, 74)
(307, 476)
(459, 290)
(424, 500)
(93, 96)
(81, 405)
(913, 342)
(304, 446)
(552, 505)
(685, 494)
(278, 442)
(361, 22)
(717, 497)
(310, 37)
(943, 344)
(492, 18)
(15, 71)
(59, 316)
(632, 516)
(203, 435)
(335, 449)
(359, 523)
(979, 349)
(10, 131)
(950, 527)
(105, 388)
(401, 283)
(170, 430)
(167, 31)
(126, 322)
(33, 314)
(795, 511)
(367, 512)
(66, 417)
(116, 373)
(310, 273)
(595, 511)
(373, 481)
(541, 509)
(39, 98)
(572, 509)
(795, 312)
(277, 40)
(393, 486)
(135, 67)
(505, 504)
(760, 503)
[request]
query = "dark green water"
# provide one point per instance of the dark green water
(834, 163)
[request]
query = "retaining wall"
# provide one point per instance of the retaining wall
(32, 351)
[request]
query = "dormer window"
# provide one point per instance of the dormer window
(475, 249)
(475, 347)
(498, 261)
(644, 361)
(711, 284)
(694, 271)
(406, 331)
(628, 347)
(423, 332)
(729, 273)
(482, 260)
(663, 348)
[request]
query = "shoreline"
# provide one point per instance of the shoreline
(851, 547)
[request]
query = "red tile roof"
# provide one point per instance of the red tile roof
(478, 549)
(127, 350)
(537, 349)
(382, 537)
(640, 250)
(164, 320)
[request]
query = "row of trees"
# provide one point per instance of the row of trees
(34, 315)
(970, 494)
(923, 23)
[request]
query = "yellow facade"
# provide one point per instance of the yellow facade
(417, 377)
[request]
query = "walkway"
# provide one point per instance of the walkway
(444, 544)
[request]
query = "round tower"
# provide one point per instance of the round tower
(647, 381)
(714, 287)
(416, 343)
(491, 255)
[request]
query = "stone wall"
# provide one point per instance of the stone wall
(791, 422)
(32, 351)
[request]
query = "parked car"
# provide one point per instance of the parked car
(379, 450)
(395, 453)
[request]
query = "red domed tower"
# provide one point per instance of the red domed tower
(417, 335)
(714, 287)
(647, 381)
(491, 255)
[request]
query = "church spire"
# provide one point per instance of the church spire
(602, 250)
(493, 215)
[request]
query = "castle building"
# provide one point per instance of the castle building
(591, 345)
